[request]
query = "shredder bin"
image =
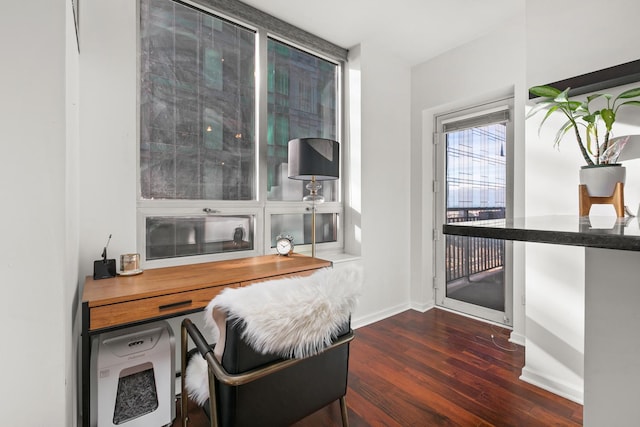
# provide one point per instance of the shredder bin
(133, 377)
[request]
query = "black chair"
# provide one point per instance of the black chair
(253, 389)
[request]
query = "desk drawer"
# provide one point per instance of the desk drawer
(149, 308)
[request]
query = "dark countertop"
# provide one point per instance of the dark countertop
(594, 232)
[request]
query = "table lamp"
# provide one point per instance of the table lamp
(314, 159)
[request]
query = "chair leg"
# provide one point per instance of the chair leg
(213, 422)
(343, 411)
(184, 414)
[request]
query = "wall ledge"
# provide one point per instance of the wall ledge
(572, 392)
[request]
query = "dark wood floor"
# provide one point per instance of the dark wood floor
(438, 369)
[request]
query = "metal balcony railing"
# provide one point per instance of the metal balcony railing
(466, 256)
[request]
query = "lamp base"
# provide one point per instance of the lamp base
(313, 186)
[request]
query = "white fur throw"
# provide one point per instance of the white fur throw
(292, 317)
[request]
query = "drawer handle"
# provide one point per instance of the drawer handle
(174, 305)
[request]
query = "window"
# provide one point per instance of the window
(296, 225)
(213, 176)
(197, 105)
(302, 91)
(169, 237)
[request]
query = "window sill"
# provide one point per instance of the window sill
(338, 257)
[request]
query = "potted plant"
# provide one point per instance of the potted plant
(592, 127)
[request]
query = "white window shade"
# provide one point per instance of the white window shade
(500, 116)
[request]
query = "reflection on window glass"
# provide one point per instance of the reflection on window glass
(299, 227)
(302, 103)
(169, 237)
(476, 190)
(476, 171)
(197, 105)
(198, 126)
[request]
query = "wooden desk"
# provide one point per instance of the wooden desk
(161, 293)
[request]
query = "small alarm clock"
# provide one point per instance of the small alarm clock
(284, 245)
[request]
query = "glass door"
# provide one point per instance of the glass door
(472, 183)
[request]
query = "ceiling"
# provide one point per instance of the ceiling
(413, 30)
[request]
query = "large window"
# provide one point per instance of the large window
(213, 175)
(197, 105)
(302, 100)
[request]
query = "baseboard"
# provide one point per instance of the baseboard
(479, 319)
(560, 388)
(517, 338)
(358, 322)
(423, 307)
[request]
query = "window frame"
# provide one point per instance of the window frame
(277, 208)
(474, 116)
(178, 208)
(259, 206)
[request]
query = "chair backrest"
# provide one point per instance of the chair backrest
(286, 396)
(258, 327)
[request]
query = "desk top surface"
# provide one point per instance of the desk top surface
(161, 281)
(607, 232)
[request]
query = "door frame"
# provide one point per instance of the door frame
(440, 194)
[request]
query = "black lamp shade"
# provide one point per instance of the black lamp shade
(314, 157)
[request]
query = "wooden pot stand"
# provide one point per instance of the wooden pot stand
(616, 199)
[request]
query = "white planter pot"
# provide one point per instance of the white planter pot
(601, 180)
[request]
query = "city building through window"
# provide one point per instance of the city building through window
(212, 175)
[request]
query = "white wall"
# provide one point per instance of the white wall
(37, 253)
(555, 274)
(480, 71)
(383, 143)
(108, 120)
(72, 296)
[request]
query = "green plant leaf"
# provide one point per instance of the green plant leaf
(592, 138)
(589, 118)
(544, 91)
(608, 117)
(574, 105)
(584, 107)
(546, 116)
(631, 93)
(542, 105)
(636, 103)
(562, 132)
(589, 127)
(564, 96)
(594, 96)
